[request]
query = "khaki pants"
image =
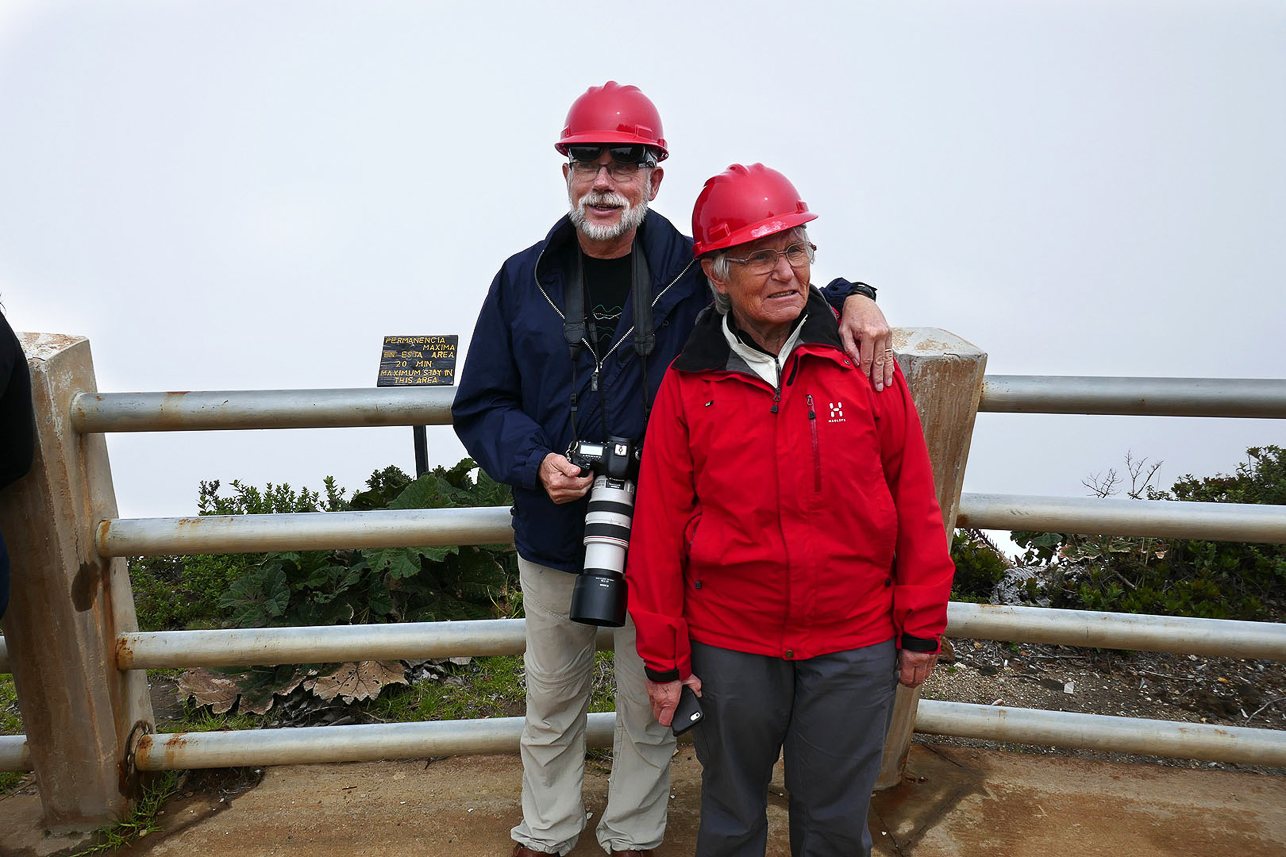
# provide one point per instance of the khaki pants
(559, 663)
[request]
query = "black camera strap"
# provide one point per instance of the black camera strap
(644, 335)
(574, 327)
(574, 324)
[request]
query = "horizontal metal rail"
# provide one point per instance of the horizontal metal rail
(1231, 522)
(491, 525)
(1217, 638)
(1171, 397)
(261, 409)
(304, 531)
(325, 644)
(393, 406)
(333, 644)
(1101, 732)
(14, 755)
(328, 744)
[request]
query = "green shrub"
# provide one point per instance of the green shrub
(979, 566)
(1178, 577)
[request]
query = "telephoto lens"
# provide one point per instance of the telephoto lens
(600, 593)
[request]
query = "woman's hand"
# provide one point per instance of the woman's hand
(867, 339)
(664, 696)
(915, 667)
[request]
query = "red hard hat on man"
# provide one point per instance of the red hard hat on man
(612, 113)
(744, 204)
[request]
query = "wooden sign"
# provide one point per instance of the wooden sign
(418, 361)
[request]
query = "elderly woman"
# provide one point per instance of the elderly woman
(788, 559)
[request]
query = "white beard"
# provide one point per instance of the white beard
(631, 216)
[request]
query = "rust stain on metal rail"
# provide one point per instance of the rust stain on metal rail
(124, 652)
(79, 414)
(172, 747)
(100, 536)
(171, 415)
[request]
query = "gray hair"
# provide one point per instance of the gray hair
(721, 268)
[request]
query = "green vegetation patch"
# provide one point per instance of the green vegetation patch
(141, 820)
(1173, 577)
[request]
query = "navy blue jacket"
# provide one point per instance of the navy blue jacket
(512, 407)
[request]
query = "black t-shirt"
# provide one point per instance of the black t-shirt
(607, 288)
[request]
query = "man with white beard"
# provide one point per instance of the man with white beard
(571, 343)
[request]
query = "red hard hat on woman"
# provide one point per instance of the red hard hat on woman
(612, 113)
(743, 204)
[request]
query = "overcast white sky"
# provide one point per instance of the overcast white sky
(250, 195)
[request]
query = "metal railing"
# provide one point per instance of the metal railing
(400, 406)
(261, 409)
(490, 525)
(1261, 398)
(199, 411)
(243, 647)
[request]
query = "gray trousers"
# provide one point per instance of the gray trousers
(559, 664)
(829, 714)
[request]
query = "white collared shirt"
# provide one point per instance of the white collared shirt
(765, 365)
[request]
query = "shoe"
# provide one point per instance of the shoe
(521, 850)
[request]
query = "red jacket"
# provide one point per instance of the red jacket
(767, 520)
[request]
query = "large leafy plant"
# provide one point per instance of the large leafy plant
(184, 591)
(333, 587)
(405, 584)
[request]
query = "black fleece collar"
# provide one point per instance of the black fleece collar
(707, 349)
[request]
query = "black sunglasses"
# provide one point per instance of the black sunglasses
(620, 154)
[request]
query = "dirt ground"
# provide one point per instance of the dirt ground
(1147, 685)
(956, 801)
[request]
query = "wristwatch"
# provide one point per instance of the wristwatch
(862, 289)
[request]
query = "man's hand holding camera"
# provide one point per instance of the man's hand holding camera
(562, 479)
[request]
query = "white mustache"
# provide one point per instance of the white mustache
(603, 198)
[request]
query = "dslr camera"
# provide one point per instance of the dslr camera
(599, 596)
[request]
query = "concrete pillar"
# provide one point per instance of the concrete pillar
(944, 373)
(68, 604)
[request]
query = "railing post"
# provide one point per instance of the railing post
(68, 604)
(944, 373)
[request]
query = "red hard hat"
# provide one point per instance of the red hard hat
(612, 113)
(743, 204)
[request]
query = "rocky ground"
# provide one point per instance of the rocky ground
(1223, 691)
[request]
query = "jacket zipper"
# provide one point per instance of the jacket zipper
(776, 390)
(626, 335)
(817, 454)
(536, 278)
(598, 362)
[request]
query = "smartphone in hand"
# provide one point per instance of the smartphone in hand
(689, 712)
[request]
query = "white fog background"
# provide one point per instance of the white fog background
(250, 195)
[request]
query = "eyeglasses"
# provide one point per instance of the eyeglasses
(624, 165)
(763, 261)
